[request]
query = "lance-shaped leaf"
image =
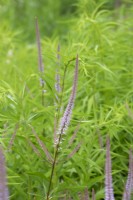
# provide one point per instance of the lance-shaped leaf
(4, 195)
(74, 151)
(109, 193)
(64, 123)
(13, 137)
(42, 145)
(74, 135)
(129, 183)
(34, 149)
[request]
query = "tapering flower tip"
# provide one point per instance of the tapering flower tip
(129, 183)
(58, 53)
(64, 123)
(4, 195)
(109, 193)
(57, 76)
(40, 62)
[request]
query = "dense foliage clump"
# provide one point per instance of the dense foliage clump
(33, 99)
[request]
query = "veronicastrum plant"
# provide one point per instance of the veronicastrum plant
(64, 123)
(65, 120)
(104, 42)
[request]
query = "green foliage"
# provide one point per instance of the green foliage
(102, 36)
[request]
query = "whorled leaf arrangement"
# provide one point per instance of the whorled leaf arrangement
(4, 194)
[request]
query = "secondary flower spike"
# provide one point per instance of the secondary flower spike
(109, 193)
(57, 77)
(40, 62)
(129, 183)
(64, 123)
(4, 195)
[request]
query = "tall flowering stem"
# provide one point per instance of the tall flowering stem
(40, 62)
(57, 76)
(64, 124)
(58, 91)
(129, 183)
(3, 182)
(93, 194)
(63, 82)
(109, 193)
(86, 194)
(65, 120)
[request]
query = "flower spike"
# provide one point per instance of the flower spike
(4, 195)
(40, 62)
(129, 184)
(109, 193)
(64, 123)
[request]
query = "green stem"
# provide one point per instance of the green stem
(60, 136)
(53, 166)
(63, 84)
(42, 93)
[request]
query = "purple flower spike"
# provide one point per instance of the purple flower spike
(57, 77)
(3, 182)
(93, 194)
(129, 184)
(86, 194)
(64, 123)
(109, 193)
(40, 62)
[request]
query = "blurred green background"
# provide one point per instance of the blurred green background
(55, 17)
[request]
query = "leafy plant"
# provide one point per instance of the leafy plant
(101, 34)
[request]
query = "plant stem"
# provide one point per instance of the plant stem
(63, 84)
(53, 165)
(60, 136)
(61, 98)
(43, 94)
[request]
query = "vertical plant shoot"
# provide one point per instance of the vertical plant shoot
(57, 76)
(109, 193)
(93, 194)
(129, 183)
(3, 181)
(65, 120)
(40, 62)
(86, 194)
(64, 123)
(58, 91)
